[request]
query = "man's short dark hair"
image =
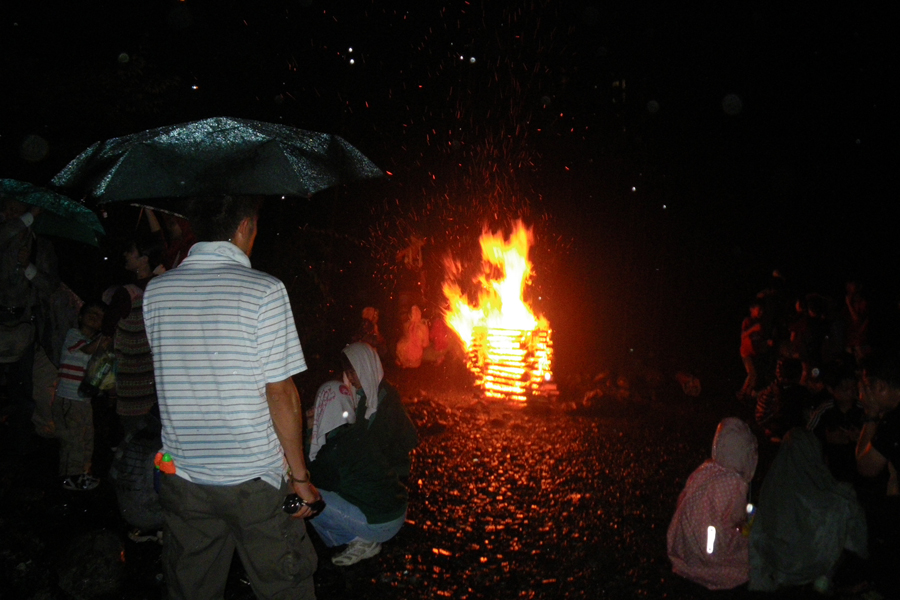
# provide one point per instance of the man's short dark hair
(886, 368)
(152, 246)
(216, 218)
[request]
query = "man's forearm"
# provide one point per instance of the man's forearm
(287, 418)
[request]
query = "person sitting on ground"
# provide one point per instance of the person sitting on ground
(879, 443)
(878, 455)
(705, 540)
(360, 456)
(805, 519)
(72, 413)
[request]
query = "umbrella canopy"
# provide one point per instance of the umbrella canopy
(61, 216)
(215, 156)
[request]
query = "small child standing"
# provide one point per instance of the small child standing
(72, 412)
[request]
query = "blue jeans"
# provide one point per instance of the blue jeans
(341, 522)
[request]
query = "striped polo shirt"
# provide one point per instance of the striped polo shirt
(219, 332)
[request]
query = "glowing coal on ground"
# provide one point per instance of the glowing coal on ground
(508, 347)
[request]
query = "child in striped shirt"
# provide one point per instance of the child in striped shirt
(72, 413)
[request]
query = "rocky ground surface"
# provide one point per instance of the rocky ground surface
(563, 499)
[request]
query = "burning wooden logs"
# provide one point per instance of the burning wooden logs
(511, 364)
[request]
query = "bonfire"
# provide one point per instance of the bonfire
(508, 347)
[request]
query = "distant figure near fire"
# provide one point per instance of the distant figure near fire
(415, 339)
(369, 332)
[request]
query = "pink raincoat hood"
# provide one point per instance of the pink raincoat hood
(704, 539)
(735, 448)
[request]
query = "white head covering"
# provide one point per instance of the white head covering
(368, 368)
(335, 405)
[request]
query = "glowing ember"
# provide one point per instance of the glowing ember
(508, 348)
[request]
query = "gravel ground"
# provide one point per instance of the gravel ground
(551, 500)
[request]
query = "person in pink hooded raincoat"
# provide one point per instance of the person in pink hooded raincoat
(705, 542)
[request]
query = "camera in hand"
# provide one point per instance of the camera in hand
(293, 503)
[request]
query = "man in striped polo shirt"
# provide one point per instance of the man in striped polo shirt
(224, 349)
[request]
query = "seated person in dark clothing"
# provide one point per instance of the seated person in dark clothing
(879, 443)
(805, 520)
(838, 420)
(877, 453)
(360, 457)
(785, 403)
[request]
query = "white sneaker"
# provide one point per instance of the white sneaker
(356, 551)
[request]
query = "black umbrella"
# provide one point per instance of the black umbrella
(61, 216)
(213, 157)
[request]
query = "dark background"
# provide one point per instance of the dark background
(668, 157)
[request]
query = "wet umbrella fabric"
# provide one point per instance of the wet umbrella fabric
(61, 216)
(215, 156)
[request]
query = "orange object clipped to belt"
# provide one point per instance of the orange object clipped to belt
(164, 463)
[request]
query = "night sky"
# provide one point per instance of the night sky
(668, 157)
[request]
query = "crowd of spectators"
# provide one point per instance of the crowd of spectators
(202, 386)
(825, 404)
(824, 398)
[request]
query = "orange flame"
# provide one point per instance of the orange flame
(508, 346)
